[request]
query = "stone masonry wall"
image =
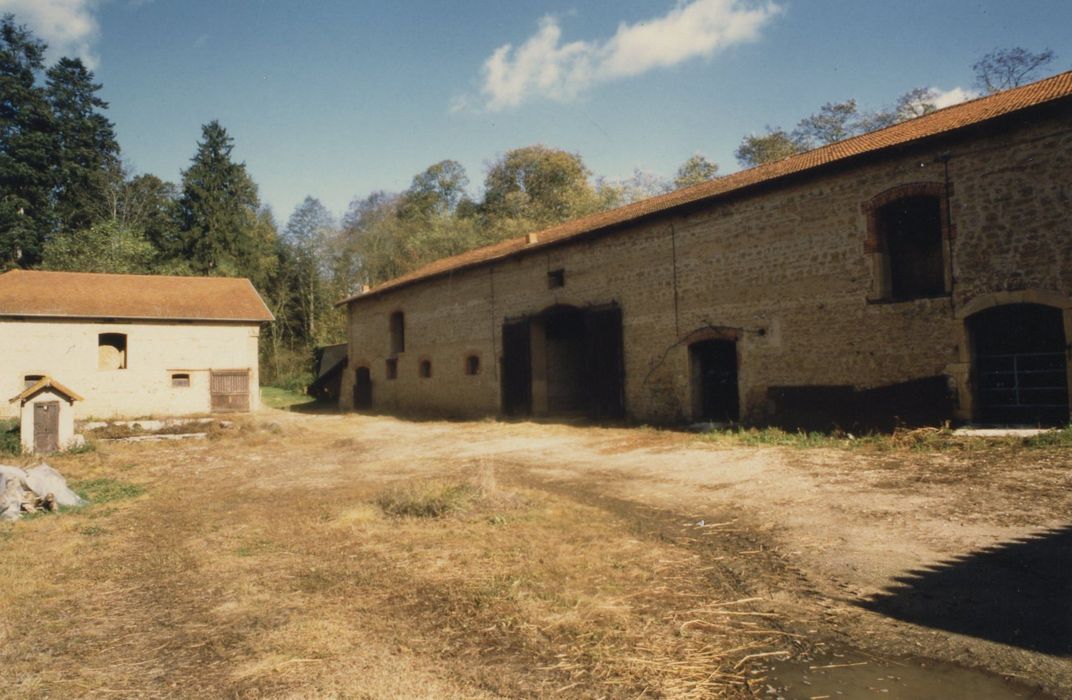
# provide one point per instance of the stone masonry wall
(787, 267)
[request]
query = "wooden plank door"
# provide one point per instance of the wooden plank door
(230, 390)
(47, 426)
(605, 364)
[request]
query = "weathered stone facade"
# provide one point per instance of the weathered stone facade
(789, 269)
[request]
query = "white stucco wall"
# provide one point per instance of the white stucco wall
(66, 420)
(68, 351)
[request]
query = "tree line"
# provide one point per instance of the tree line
(68, 203)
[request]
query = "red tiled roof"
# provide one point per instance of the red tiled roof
(149, 297)
(939, 122)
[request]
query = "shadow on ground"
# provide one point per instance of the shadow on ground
(1017, 593)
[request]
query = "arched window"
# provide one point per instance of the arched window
(425, 369)
(112, 351)
(398, 332)
(472, 365)
(907, 236)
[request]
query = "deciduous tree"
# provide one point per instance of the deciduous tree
(106, 247)
(1002, 69)
(535, 187)
(695, 170)
(775, 145)
(835, 121)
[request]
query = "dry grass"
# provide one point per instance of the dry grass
(241, 570)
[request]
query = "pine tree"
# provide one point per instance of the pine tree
(218, 210)
(88, 150)
(27, 148)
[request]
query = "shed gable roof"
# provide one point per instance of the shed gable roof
(936, 123)
(45, 382)
(35, 293)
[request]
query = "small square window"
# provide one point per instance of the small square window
(392, 368)
(472, 365)
(425, 369)
(556, 279)
(180, 379)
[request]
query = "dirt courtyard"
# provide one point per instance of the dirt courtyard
(266, 561)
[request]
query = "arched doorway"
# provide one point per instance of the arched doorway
(362, 389)
(1019, 365)
(564, 361)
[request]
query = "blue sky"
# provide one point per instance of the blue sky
(337, 99)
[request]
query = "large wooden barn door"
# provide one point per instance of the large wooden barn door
(603, 334)
(46, 426)
(230, 390)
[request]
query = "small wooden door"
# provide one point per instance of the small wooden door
(47, 426)
(230, 390)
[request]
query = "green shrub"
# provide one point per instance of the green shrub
(105, 490)
(10, 440)
(1051, 438)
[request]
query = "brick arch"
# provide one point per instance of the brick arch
(873, 242)
(712, 333)
(1044, 297)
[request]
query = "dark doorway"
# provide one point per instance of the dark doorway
(567, 376)
(578, 359)
(714, 380)
(605, 363)
(47, 426)
(363, 389)
(1020, 369)
(517, 369)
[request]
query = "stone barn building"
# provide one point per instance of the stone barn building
(132, 345)
(915, 274)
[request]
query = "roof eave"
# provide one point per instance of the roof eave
(103, 317)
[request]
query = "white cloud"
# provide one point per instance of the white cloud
(543, 66)
(947, 98)
(67, 26)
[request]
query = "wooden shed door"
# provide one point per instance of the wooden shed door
(230, 390)
(47, 426)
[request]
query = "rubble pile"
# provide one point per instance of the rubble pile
(31, 490)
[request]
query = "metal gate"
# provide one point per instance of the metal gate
(230, 390)
(1023, 387)
(1020, 369)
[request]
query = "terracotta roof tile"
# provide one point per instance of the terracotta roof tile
(45, 382)
(149, 297)
(933, 124)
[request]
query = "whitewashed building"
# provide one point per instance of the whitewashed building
(132, 345)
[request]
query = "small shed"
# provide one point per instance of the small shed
(47, 415)
(329, 362)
